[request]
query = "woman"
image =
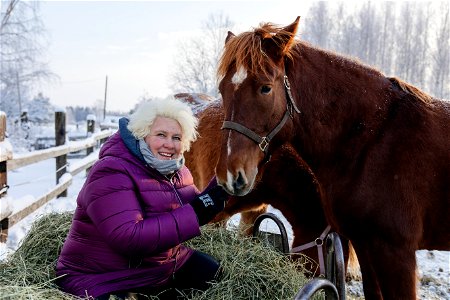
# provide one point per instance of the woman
(136, 208)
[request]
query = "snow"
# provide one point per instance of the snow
(110, 122)
(60, 109)
(30, 182)
(5, 208)
(6, 149)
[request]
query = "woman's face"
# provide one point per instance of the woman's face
(165, 138)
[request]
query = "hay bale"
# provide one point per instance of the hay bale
(251, 270)
(29, 272)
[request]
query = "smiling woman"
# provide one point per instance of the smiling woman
(136, 208)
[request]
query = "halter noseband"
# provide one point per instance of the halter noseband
(263, 141)
(318, 242)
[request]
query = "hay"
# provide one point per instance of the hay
(29, 272)
(251, 270)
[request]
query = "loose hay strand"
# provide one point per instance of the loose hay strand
(252, 270)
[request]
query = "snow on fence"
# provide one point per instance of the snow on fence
(10, 161)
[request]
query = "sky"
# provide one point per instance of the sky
(134, 44)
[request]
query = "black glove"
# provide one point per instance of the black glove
(210, 202)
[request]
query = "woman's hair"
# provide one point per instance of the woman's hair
(142, 119)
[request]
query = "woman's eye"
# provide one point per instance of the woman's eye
(177, 138)
(266, 89)
(160, 135)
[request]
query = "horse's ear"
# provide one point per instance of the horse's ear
(278, 46)
(230, 35)
(292, 28)
(290, 31)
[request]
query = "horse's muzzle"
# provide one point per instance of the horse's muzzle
(238, 185)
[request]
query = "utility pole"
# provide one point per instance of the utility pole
(18, 93)
(104, 103)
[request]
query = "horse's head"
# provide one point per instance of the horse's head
(257, 102)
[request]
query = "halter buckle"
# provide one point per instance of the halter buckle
(263, 144)
(286, 82)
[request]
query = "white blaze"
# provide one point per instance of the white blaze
(229, 135)
(239, 76)
(229, 143)
(230, 181)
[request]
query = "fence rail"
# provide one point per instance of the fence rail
(21, 160)
(10, 161)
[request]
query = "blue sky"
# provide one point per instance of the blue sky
(134, 43)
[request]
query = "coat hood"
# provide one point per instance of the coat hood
(122, 144)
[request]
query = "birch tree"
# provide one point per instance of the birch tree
(440, 75)
(319, 24)
(410, 40)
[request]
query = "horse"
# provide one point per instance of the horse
(297, 197)
(378, 146)
(202, 158)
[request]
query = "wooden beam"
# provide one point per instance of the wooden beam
(22, 160)
(16, 217)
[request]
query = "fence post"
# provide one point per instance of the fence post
(60, 139)
(90, 130)
(90, 120)
(3, 172)
(4, 224)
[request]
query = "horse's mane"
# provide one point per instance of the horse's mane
(411, 90)
(245, 50)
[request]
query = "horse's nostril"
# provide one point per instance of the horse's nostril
(240, 182)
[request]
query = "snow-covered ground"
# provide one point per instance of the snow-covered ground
(28, 183)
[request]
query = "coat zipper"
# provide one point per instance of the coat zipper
(175, 190)
(178, 247)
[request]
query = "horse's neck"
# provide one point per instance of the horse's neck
(341, 102)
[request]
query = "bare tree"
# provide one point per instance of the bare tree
(22, 46)
(421, 45)
(319, 23)
(345, 30)
(386, 44)
(404, 33)
(196, 61)
(440, 79)
(409, 40)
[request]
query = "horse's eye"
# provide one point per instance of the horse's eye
(266, 89)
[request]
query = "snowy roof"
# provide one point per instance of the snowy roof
(110, 122)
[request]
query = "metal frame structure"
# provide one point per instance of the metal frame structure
(334, 283)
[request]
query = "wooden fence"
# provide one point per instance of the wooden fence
(10, 161)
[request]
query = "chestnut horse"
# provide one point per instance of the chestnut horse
(297, 196)
(379, 147)
(202, 159)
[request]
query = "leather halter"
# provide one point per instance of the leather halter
(263, 141)
(318, 242)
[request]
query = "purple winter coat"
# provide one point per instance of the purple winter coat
(128, 226)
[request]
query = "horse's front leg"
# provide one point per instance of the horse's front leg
(248, 218)
(371, 287)
(388, 271)
(395, 267)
